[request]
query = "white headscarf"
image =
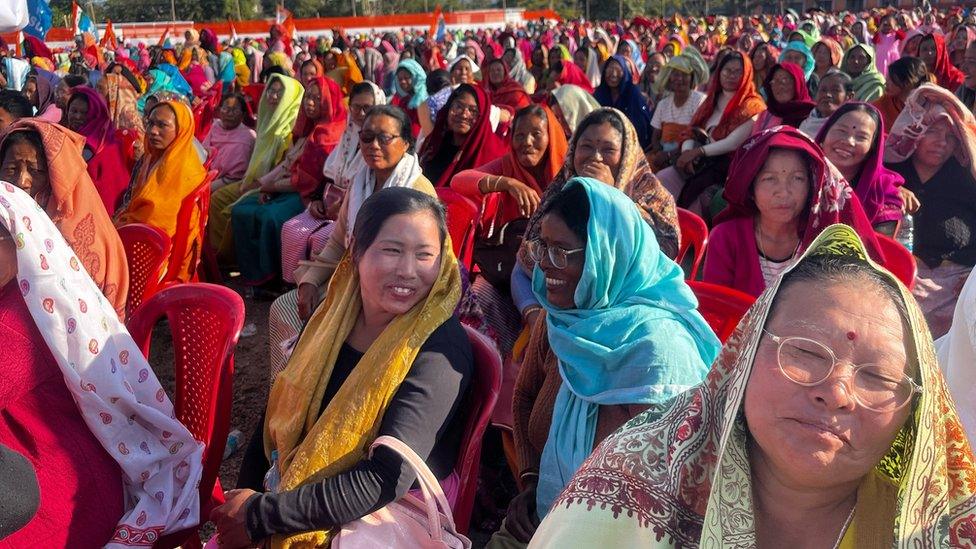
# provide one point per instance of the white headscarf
(110, 381)
(346, 160)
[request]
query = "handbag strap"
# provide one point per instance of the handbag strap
(434, 498)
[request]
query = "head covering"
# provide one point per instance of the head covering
(98, 129)
(322, 136)
(835, 49)
(794, 111)
(801, 47)
(474, 66)
(274, 127)
(688, 62)
(876, 186)
(831, 197)
(165, 78)
(343, 162)
(312, 443)
(111, 383)
(634, 336)
(479, 55)
(47, 86)
(948, 76)
(419, 82)
(162, 181)
(518, 71)
(634, 177)
(927, 105)
(681, 477)
(630, 100)
(16, 72)
(575, 104)
(508, 92)
(745, 104)
(870, 84)
(480, 146)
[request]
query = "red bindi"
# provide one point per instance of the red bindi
(851, 335)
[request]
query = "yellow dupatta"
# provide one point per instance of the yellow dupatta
(274, 128)
(312, 447)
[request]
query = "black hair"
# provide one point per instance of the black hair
(908, 72)
(858, 107)
(16, 104)
(386, 203)
(242, 100)
(73, 80)
(402, 118)
(266, 73)
(572, 205)
(597, 117)
(361, 88)
(23, 136)
(438, 80)
(532, 110)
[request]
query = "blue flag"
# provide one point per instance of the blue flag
(40, 18)
(85, 24)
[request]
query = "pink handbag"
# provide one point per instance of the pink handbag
(407, 522)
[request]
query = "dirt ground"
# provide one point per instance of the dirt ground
(251, 386)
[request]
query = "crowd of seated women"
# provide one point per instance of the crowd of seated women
(838, 413)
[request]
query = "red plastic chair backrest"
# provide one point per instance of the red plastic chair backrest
(146, 251)
(205, 321)
(722, 307)
(694, 234)
(898, 260)
(479, 403)
(462, 218)
(195, 209)
(205, 111)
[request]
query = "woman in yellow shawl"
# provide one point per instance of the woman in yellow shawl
(825, 418)
(277, 113)
(167, 173)
(383, 355)
(341, 66)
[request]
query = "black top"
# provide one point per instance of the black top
(434, 168)
(945, 225)
(422, 414)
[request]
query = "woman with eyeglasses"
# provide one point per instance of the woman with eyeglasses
(257, 218)
(787, 99)
(230, 140)
(386, 146)
(825, 422)
(781, 193)
(462, 138)
(304, 235)
(620, 333)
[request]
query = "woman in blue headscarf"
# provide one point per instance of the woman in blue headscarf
(165, 78)
(799, 54)
(410, 83)
(617, 90)
(620, 333)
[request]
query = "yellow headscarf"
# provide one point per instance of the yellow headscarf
(274, 128)
(163, 180)
(312, 446)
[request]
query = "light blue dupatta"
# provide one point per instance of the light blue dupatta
(635, 338)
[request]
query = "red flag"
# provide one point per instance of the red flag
(75, 11)
(108, 37)
(437, 16)
(233, 31)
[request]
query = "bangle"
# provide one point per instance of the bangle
(701, 151)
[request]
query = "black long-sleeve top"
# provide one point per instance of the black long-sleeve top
(423, 414)
(945, 225)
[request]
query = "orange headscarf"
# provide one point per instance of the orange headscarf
(163, 180)
(745, 104)
(77, 210)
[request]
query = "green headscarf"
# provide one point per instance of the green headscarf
(870, 84)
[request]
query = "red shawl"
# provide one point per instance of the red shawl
(745, 104)
(949, 76)
(322, 135)
(833, 200)
(574, 75)
(481, 145)
(795, 111)
(509, 93)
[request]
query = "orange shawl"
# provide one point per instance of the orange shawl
(745, 104)
(77, 210)
(162, 181)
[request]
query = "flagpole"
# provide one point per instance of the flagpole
(172, 10)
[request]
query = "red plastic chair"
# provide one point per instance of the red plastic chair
(694, 233)
(722, 307)
(480, 402)
(898, 260)
(462, 220)
(206, 322)
(146, 250)
(197, 202)
(205, 111)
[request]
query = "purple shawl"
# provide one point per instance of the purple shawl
(876, 186)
